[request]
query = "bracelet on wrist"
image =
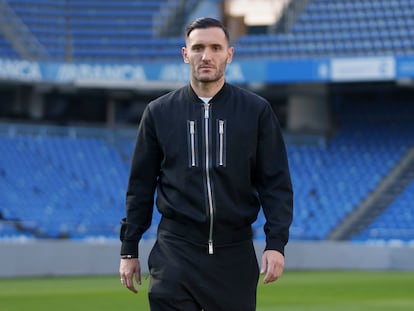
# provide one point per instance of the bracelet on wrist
(128, 257)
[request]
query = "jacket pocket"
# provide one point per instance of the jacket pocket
(192, 143)
(221, 143)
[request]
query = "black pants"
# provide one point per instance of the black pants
(185, 277)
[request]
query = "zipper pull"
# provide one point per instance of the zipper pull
(192, 128)
(221, 141)
(192, 143)
(210, 247)
(221, 127)
(206, 110)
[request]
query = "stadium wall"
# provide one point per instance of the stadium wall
(64, 258)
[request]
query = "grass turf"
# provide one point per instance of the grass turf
(295, 291)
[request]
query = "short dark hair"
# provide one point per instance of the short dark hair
(206, 22)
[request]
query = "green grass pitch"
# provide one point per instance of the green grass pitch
(295, 291)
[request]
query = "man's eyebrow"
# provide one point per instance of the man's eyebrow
(206, 44)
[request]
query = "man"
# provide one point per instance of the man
(215, 154)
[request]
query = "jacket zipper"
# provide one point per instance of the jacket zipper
(208, 180)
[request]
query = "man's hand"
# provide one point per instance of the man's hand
(273, 263)
(127, 269)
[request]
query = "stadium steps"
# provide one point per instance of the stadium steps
(172, 24)
(289, 17)
(369, 209)
(395, 224)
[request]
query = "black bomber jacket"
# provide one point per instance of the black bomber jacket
(212, 167)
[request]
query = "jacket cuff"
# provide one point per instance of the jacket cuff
(129, 248)
(275, 245)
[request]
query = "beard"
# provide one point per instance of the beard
(211, 75)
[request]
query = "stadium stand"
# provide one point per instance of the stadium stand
(46, 20)
(98, 31)
(130, 36)
(331, 181)
(81, 31)
(395, 223)
(59, 186)
(65, 186)
(74, 188)
(339, 28)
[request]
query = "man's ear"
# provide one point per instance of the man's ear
(230, 54)
(184, 53)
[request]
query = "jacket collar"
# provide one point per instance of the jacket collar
(218, 97)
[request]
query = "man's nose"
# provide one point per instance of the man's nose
(206, 55)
